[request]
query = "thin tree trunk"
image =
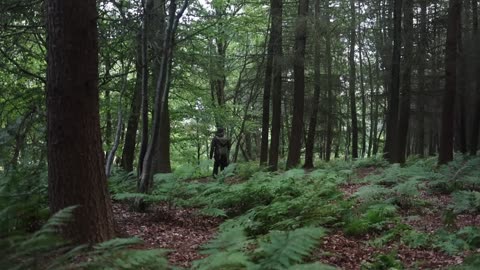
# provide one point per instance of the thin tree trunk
(422, 47)
(276, 6)
(266, 100)
(331, 101)
(362, 93)
(372, 104)
(128, 153)
(145, 124)
(461, 121)
(446, 137)
(351, 61)
(310, 141)
(76, 174)
(161, 95)
(119, 129)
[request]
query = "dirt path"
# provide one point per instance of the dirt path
(180, 230)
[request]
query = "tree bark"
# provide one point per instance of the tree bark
(276, 6)
(446, 136)
(331, 101)
(144, 143)
(266, 99)
(119, 129)
(161, 96)
(476, 117)
(422, 48)
(352, 80)
(404, 110)
(460, 114)
(362, 94)
(393, 97)
(310, 141)
(296, 132)
(128, 153)
(76, 173)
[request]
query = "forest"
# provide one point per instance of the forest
(235, 134)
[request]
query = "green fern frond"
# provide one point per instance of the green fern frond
(288, 248)
(224, 260)
(116, 244)
(227, 241)
(466, 201)
(312, 266)
(58, 219)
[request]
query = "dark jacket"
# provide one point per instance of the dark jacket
(217, 141)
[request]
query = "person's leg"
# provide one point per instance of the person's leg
(223, 163)
(216, 163)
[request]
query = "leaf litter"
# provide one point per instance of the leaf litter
(184, 230)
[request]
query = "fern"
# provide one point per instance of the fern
(226, 251)
(312, 266)
(227, 241)
(466, 201)
(287, 248)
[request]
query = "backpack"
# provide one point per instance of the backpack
(222, 147)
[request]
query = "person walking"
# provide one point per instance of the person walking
(219, 150)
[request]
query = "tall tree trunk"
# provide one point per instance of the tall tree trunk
(76, 173)
(371, 137)
(310, 142)
(376, 139)
(393, 96)
(446, 136)
(422, 48)
(351, 61)
(276, 35)
(128, 153)
(119, 129)
(460, 115)
(161, 96)
(295, 143)
(476, 117)
(266, 99)
(362, 94)
(331, 101)
(108, 120)
(161, 153)
(144, 143)
(404, 110)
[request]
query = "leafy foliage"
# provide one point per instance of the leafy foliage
(279, 250)
(383, 261)
(44, 249)
(287, 248)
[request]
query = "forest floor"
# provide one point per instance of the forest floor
(183, 231)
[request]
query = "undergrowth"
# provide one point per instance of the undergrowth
(272, 220)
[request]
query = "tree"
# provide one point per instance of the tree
(75, 159)
(422, 47)
(267, 89)
(310, 142)
(161, 155)
(295, 144)
(404, 110)
(352, 80)
(161, 95)
(447, 130)
(276, 35)
(128, 152)
(476, 119)
(331, 101)
(393, 95)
